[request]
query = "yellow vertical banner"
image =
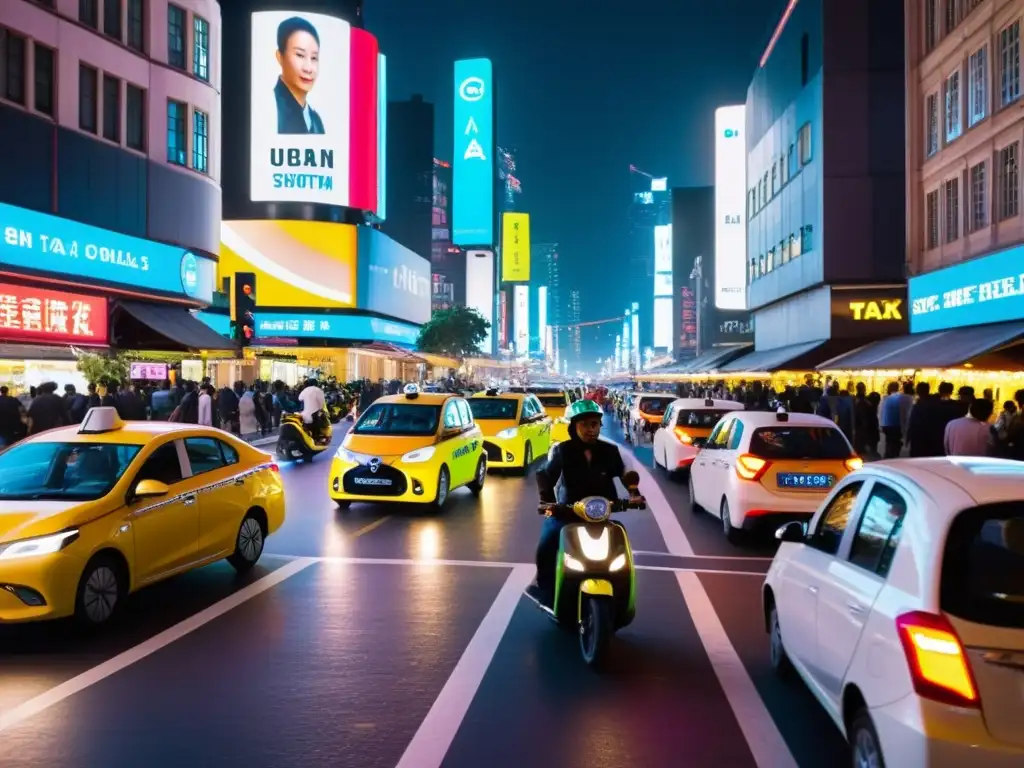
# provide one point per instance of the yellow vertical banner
(515, 247)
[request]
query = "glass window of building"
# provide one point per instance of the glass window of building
(979, 207)
(804, 142)
(931, 25)
(1009, 180)
(176, 36)
(137, 25)
(977, 86)
(44, 74)
(952, 209)
(111, 109)
(954, 14)
(112, 19)
(88, 97)
(951, 95)
(201, 48)
(88, 13)
(177, 116)
(931, 110)
(931, 205)
(1009, 64)
(135, 117)
(200, 141)
(12, 65)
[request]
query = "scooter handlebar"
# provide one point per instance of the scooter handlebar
(618, 505)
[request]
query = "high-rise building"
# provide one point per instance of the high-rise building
(447, 261)
(649, 206)
(410, 170)
(546, 271)
(575, 342)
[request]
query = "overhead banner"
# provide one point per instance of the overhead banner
(473, 159)
(515, 247)
(293, 325)
(730, 208)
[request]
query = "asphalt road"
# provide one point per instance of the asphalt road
(388, 637)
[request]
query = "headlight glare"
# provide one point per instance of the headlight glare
(594, 548)
(38, 545)
(572, 563)
(419, 455)
(507, 434)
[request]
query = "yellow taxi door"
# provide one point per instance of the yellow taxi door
(223, 493)
(453, 444)
(470, 438)
(166, 529)
(537, 426)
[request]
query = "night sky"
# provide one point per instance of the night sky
(582, 94)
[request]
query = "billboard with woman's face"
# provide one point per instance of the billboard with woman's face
(313, 108)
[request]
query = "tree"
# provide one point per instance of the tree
(102, 368)
(456, 332)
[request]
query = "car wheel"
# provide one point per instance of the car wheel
(248, 544)
(694, 506)
(865, 746)
(443, 485)
(527, 459)
(101, 591)
(342, 504)
(780, 659)
(732, 534)
(477, 485)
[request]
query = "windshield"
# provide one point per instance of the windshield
(493, 408)
(655, 406)
(553, 401)
(799, 443)
(63, 471)
(399, 419)
(699, 419)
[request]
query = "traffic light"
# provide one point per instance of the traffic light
(243, 308)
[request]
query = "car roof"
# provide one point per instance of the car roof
(422, 398)
(699, 404)
(503, 394)
(131, 433)
(770, 419)
(985, 480)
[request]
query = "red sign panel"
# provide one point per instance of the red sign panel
(57, 317)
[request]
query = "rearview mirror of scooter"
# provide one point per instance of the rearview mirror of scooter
(631, 479)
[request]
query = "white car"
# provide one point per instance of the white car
(685, 427)
(646, 410)
(902, 608)
(762, 468)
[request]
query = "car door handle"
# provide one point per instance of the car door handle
(189, 499)
(855, 608)
(239, 481)
(812, 588)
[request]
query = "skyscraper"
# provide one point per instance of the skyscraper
(649, 206)
(546, 271)
(410, 152)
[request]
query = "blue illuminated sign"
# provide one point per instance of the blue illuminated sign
(473, 173)
(220, 323)
(391, 279)
(985, 290)
(71, 250)
(301, 325)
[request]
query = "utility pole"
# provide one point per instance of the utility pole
(697, 273)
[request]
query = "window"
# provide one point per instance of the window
(931, 110)
(791, 161)
(204, 454)
(979, 209)
(1009, 182)
(43, 67)
(88, 13)
(451, 416)
(135, 117)
(112, 19)
(931, 206)
(931, 25)
(137, 25)
(775, 180)
(786, 442)
(398, 419)
(804, 141)
(464, 413)
(200, 141)
(52, 471)
(177, 116)
(163, 465)
(879, 530)
(201, 48)
(1009, 64)
(954, 14)
(951, 95)
(176, 36)
(495, 408)
(88, 101)
(111, 109)
(229, 453)
(806, 238)
(952, 210)
(977, 86)
(12, 61)
(833, 521)
(805, 59)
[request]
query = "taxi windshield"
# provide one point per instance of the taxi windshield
(552, 401)
(655, 406)
(799, 443)
(41, 471)
(493, 408)
(399, 419)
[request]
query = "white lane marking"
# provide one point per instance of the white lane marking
(766, 744)
(668, 569)
(79, 683)
(432, 740)
(704, 557)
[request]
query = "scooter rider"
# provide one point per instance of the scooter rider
(586, 466)
(314, 403)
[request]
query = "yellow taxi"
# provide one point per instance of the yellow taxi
(554, 400)
(515, 427)
(415, 447)
(91, 513)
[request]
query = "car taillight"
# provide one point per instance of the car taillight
(750, 467)
(853, 464)
(274, 467)
(683, 436)
(938, 664)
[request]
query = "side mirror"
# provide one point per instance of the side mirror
(631, 479)
(794, 532)
(150, 489)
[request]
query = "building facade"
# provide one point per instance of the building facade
(411, 172)
(649, 207)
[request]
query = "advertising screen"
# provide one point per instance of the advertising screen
(521, 319)
(480, 290)
(515, 247)
(985, 290)
(382, 136)
(663, 248)
(292, 325)
(147, 371)
(297, 263)
(38, 314)
(730, 208)
(663, 322)
(70, 251)
(314, 110)
(473, 162)
(392, 280)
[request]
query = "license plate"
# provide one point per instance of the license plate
(811, 480)
(382, 481)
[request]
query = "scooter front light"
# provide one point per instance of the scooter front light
(572, 563)
(618, 563)
(507, 434)
(594, 548)
(419, 455)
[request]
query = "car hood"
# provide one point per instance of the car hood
(386, 445)
(491, 427)
(23, 519)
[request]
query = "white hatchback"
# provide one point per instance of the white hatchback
(902, 608)
(685, 427)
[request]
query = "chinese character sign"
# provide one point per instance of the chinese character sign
(473, 170)
(515, 247)
(37, 314)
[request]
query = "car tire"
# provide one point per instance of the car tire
(476, 487)
(865, 746)
(732, 534)
(101, 591)
(249, 543)
(694, 506)
(444, 482)
(781, 664)
(341, 504)
(527, 458)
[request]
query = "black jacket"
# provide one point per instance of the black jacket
(567, 462)
(289, 113)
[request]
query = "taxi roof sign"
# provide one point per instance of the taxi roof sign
(411, 391)
(781, 414)
(99, 420)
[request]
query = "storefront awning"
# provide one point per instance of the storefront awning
(166, 327)
(37, 352)
(793, 357)
(438, 360)
(938, 349)
(391, 351)
(714, 358)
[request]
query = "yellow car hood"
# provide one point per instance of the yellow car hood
(491, 427)
(385, 446)
(22, 519)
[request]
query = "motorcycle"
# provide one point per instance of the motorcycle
(297, 440)
(595, 582)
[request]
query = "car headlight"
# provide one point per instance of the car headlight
(419, 455)
(38, 545)
(508, 434)
(346, 455)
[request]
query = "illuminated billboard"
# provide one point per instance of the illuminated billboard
(515, 247)
(55, 317)
(521, 319)
(473, 159)
(543, 329)
(480, 290)
(382, 136)
(305, 325)
(663, 248)
(392, 280)
(663, 317)
(730, 208)
(314, 110)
